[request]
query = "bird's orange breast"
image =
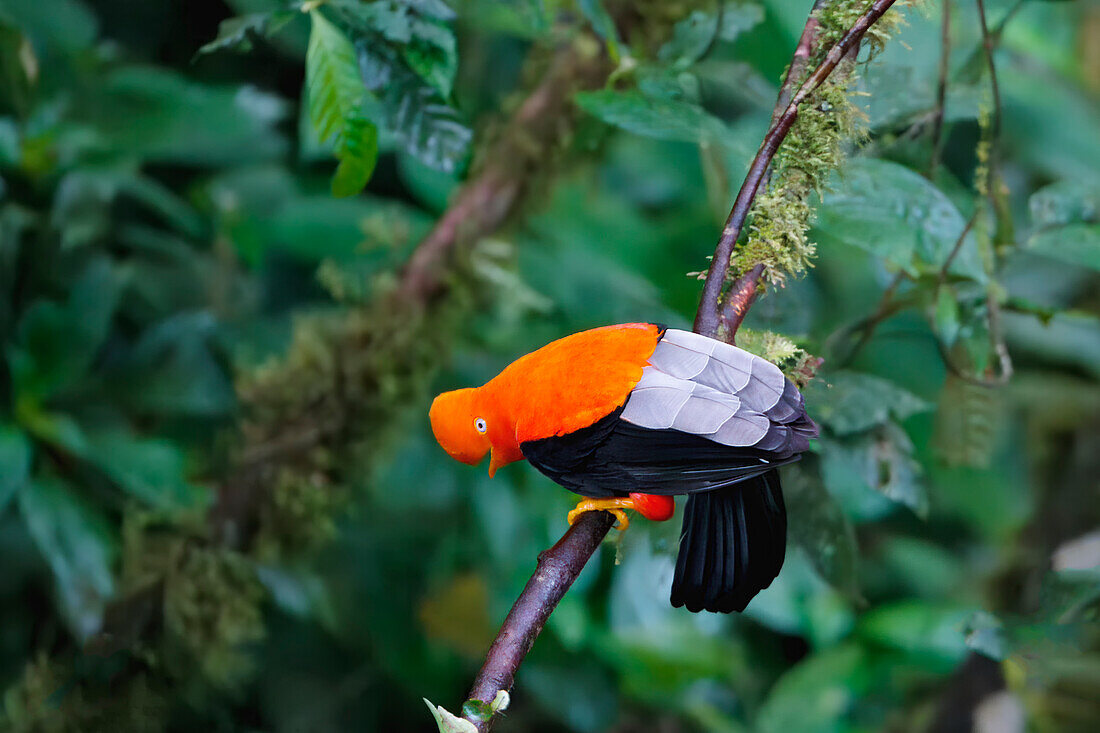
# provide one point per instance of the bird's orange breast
(574, 381)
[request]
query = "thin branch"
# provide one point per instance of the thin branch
(941, 89)
(989, 43)
(707, 319)
(557, 568)
(740, 297)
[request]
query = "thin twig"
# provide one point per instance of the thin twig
(707, 319)
(887, 306)
(941, 89)
(996, 337)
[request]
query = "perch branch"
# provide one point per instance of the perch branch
(708, 318)
(558, 567)
(555, 572)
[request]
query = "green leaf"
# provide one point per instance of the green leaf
(433, 55)
(333, 86)
(897, 214)
(1064, 202)
(821, 528)
(336, 96)
(15, 462)
(77, 543)
(239, 34)
(881, 461)
(412, 111)
(850, 402)
(186, 122)
(1074, 244)
(815, 694)
(933, 632)
(56, 343)
(691, 37)
(150, 470)
(663, 119)
(947, 316)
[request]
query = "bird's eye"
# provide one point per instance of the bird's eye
(480, 426)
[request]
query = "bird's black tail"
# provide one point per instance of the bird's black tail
(731, 546)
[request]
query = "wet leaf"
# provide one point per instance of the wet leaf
(850, 402)
(336, 105)
(897, 214)
(1074, 244)
(663, 119)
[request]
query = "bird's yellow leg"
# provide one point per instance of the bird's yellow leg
(614, 505)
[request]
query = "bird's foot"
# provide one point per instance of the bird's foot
(614, 505)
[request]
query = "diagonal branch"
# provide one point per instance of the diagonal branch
(707, 318)
(559, 566)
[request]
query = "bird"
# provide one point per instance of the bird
(629, 416)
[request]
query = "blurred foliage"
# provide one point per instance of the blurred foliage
(190, 320)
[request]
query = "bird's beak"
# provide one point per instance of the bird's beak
(495, 462)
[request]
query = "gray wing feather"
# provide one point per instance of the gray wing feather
(702, 386)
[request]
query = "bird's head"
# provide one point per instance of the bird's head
(458, 427)
(467, 428)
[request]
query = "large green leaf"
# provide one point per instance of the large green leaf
(336, 97)
(1064, 202)
(77, 543)
(880, 460)
(412, 111)
(663, 119)
(850, 402)
(185, 122)
(897, 214)
(56, 342)
(814, 695)
(152, 471)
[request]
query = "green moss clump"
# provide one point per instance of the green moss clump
(51, 698)
(300, 515)
(212, 611)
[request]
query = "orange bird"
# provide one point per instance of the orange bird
(629, 416)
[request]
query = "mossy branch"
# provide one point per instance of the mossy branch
(708, 320)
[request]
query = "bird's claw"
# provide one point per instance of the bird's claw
(615, 506)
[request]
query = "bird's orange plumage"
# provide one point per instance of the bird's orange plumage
(574, 381)
(566, 385)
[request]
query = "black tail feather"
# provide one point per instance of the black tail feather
(732, 545)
